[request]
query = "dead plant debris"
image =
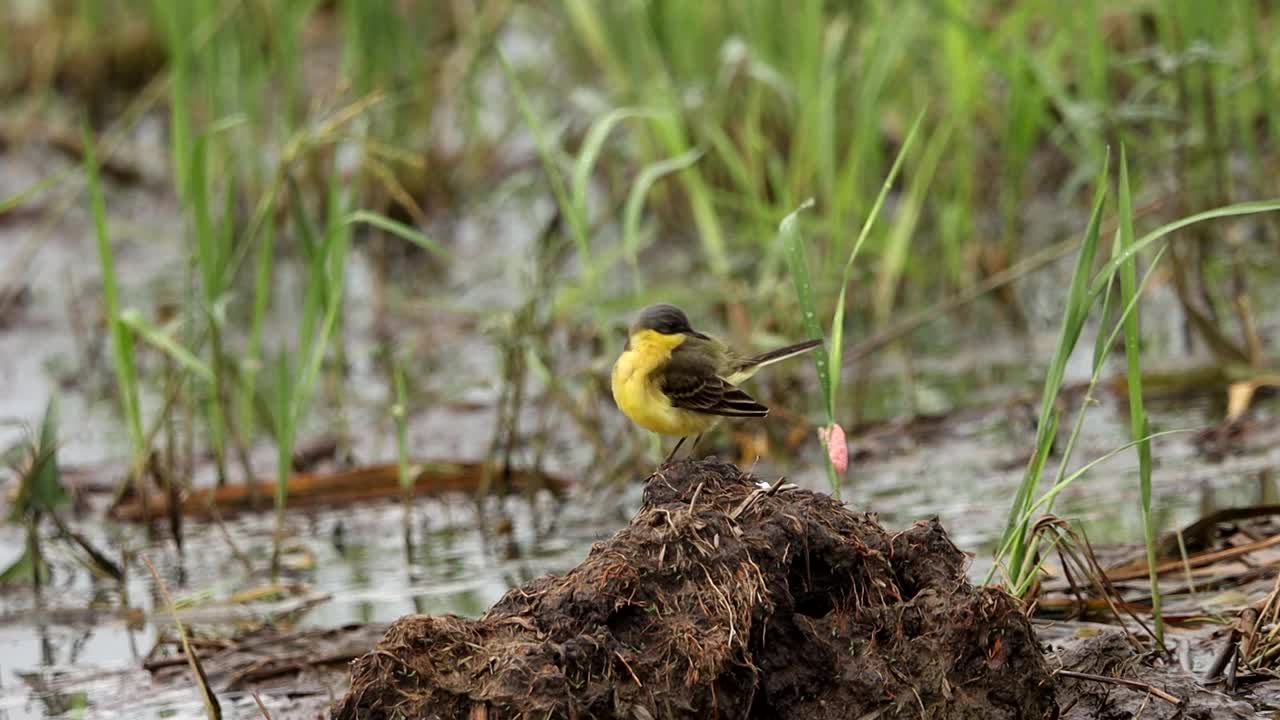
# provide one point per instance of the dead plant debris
(724, 599)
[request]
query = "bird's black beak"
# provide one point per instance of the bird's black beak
(696, 334)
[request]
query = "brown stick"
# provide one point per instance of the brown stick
(334, 489)
(261, 707)
(1223, 656)
(1195, 561)
(213, 709)
(1135, 684)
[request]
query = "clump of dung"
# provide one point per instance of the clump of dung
(725, 598)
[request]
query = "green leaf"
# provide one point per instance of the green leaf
(635, 198)
(165, 342)
(836, 351)
(592, 147)
(1138, 426)
(1244, 208)
(398, 229)
(798, 265)
(121, 339)
(40, 483)
(20, 572)
(1015, 537)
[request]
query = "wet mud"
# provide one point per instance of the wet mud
(1127, 685)
(725, 597)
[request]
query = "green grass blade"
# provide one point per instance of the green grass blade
(285, 434)
(592, 146)
(252, 366)
(672, 135)
(1106, 342)
(330, 274)
(798, 265)
(382, 222)
(165, 342)
(121, 339)
(206, 243)
(635, 200)
(399, 413)
(834, 354)
(836, 350)
(550, 158)
(23, 196)
(1244, 208)
(895, 254)
(1074, 315)
(1100, 348)
(1051, 494)
(1139, 429)
(884, 193)
(43, 477)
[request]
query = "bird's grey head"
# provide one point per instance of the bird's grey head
(666, 319)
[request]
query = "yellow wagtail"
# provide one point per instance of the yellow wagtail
(676, 381)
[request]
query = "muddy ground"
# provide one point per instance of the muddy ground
(725, 597)
(1135, 686)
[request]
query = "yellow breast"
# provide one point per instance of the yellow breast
(640, 398)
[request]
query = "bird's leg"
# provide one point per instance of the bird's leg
(694, 447)
(673, 450)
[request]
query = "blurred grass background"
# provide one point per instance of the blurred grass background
(672, 136)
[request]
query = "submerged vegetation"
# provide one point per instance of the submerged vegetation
(857, 171)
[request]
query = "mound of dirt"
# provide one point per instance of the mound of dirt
(725, 597)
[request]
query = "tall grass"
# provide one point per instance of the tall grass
(325, 256)
(1018, 550)
(224, 60)
(122, 341)
(1139, 426)
(827, 361)
(810, 100)
(721, 119)
(572, 208)
(789, 236)
(213, 255)
(252, 365)
(400, 416)
(1016, 539)
(211, 84)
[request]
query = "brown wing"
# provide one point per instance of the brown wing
(690, 381)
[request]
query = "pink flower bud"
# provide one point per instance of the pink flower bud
(833, 440)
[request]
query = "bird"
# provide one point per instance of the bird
(679, 382)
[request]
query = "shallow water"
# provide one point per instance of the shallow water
(357, 556)
(73, 646)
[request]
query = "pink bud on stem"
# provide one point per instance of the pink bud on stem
(833, 440)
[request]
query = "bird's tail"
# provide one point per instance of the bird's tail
(753, 364)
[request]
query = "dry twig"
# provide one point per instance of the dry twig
(1135, 684)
